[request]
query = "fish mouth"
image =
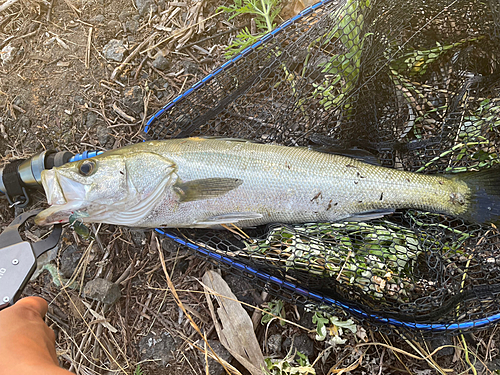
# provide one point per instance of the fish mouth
(57, 214)
(63, 194)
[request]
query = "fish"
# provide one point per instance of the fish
(212, 182)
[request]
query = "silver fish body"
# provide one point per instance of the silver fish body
(198, 182)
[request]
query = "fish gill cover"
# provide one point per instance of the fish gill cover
(416, 83)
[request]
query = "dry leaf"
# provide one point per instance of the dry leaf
(294, 7)
(236, 333)
(100, 318)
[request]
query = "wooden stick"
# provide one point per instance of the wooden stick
(7, 4)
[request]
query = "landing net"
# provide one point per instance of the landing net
(416, 83)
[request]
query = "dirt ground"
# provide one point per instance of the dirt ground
(60, 90)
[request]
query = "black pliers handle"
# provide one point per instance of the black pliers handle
(18, 257)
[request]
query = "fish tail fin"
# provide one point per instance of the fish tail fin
(484, 201)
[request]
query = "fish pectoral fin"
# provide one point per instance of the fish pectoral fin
(206, 188)
(229, 218)
(369, 215)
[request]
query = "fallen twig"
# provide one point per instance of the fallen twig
(2, 131)
(7, 4)
(89, 44)
(121, 113)
(49, 11)
(129, 58)
(17, 108)
(139, 68)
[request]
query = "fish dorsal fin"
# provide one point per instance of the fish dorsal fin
(332, 146)
(223, 138)
(354, 153)
(205, 188)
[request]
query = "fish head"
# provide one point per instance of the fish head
(117, 187)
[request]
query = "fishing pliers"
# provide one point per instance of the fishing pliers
(18, 258)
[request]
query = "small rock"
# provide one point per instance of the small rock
(138, 237)
(274, 343)
(161, 63)
(158, 347)
(214, 367)
(443, 340)
(102, 135)
(302, 343)
(7, 53)
(114, 50)
(97, 19)
(306, 320)
(169, 245)
(190, 67)
(69, 260)
(132, 98)
(244, 290)
(102, 290)
(114, 25)
(91, 119)
(146, 6)
(132, 26)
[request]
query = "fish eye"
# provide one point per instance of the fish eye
(87, 167)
